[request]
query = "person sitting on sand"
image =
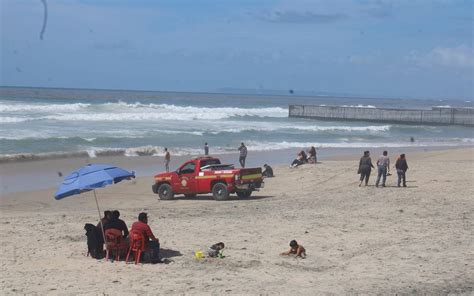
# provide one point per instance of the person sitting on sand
(268, 171)
(304, 157)
(216, 250)
(298, 160)
(116, 223)
(295, 249)
(152, 243)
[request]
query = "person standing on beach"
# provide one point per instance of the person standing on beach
(206, 149)
(401, 166)
(365, 167)
(243, 154)
(167, 159)
(383, 166)
(312, 155)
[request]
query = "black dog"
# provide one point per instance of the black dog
(94, 241)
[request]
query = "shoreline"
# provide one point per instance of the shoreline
(27, 176)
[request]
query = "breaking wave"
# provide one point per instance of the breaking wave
(8, 119)
(122, 111)
(270, 146)
(43, 107)
(316, 128)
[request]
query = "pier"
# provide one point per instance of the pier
(435, 116)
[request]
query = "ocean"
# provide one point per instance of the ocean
(49, 123)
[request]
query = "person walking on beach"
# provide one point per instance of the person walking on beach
(167, 159)
(401, 166)
(206, 149)
(243, 154)
(365, 167)
(383, 166)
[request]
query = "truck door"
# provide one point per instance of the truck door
(187, 178)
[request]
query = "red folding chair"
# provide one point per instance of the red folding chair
(113, 243)
(137, 245)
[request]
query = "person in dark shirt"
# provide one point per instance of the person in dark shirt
(268, 172)
(312, 155)
(365, 167)
(402, 167)
(102, 222)
(105, 219)
(116, 223)
(242, 154)
(304, 156)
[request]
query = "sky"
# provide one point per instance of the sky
(399, 48)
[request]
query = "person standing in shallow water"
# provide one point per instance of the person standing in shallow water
(206, 149)
(401, 166)
(167, 159)
(243, 154)
(365, 167)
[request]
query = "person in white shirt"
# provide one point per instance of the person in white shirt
(383, 165)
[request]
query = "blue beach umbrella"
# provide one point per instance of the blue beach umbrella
(91, 177)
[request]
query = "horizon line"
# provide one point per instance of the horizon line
(237, 93)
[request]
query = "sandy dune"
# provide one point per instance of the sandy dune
(417, 240)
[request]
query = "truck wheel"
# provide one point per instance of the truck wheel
(220, 192)
(154, 188)
(244, 194)
(190, 195)
(165, 192)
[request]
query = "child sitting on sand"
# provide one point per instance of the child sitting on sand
(295, 249)
(216, 250)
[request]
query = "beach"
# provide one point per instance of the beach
(359, 240)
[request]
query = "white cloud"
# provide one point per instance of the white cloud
(461, 56)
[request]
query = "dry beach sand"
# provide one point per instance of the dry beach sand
(367, 240)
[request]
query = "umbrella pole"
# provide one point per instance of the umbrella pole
(100, 219)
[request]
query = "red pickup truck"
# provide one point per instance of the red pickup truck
(206, 174)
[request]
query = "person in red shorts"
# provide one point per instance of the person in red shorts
(152, 252)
